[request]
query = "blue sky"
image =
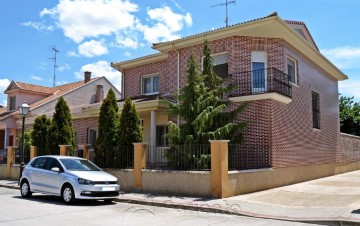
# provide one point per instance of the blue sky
(92, 34)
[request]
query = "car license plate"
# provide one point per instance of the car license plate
(108, 188)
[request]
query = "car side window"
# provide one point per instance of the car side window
(51, 163)
(39, 163)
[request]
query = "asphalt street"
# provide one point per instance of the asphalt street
(48, 210)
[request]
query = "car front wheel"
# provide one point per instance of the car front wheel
(68, 195)
(25, 189)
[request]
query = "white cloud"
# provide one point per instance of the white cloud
(4, 83)
(343, 57)
(128, 42)
(38, 26)
(63, 82)
(84, 19)
(72, 53)
(37, 78)
(101, 68)
(92, 48)
(64, 67)
(165, 24)
(350, 88)
(128, 54)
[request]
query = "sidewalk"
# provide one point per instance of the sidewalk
(331, 201)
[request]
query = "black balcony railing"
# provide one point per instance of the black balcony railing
(268, 80)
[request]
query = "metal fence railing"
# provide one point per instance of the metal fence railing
(115, 157)
(245, 158)
(179, 157)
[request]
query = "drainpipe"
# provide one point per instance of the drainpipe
(122, 94)
(178, 80)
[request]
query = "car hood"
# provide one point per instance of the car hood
(94, 175)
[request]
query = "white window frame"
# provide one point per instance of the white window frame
(152, 84)
(10, 104)
(213, 55)
(295, 68)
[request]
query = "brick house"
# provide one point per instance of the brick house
(42, 100)
(290, 87)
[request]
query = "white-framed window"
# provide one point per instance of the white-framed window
(220, 62)
(141, 122)
(12, 103)
(150, 84)
(292, 70)
(92, 135)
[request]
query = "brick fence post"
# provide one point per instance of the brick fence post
(219, 168)
(139, 163)
(33, 152)
(63, 149)
(10, 159)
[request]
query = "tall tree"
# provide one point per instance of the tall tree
(129, 130)
(61, 130)
(129, 133)
(108, 128)
(40, 130)
(202, 108)
(349, 116)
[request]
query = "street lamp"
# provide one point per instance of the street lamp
(23, 110)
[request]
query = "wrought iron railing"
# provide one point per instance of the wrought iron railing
(115, 157)
(260, 81)
(179, 157)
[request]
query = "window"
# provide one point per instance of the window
(39, 163)
(150, 84)
(160, 136)
(93, 133)
(316, 110)
(12, 103)
(141, 122)
(291, 69)
(51, 163)
(221, 65)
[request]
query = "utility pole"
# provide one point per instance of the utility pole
(226, 3)
(53, 48)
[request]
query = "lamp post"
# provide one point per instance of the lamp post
(23, 110)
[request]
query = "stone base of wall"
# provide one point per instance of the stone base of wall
(14, 173)
(242, 182)
(125, 177)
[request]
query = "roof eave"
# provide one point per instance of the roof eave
(120, 66)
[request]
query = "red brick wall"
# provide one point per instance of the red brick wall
(81, 128)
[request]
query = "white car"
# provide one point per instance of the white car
(69, 177)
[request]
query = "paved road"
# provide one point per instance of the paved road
(47, 210)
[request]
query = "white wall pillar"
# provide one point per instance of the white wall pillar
(6, 140)
(153, 135)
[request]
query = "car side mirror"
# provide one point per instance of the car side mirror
(55, 169)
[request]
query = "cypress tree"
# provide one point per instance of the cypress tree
(129, 133)
(108, 127)
(40, 131)
(61, 131)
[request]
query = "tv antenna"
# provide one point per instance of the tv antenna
(53, 48)
(226, 3)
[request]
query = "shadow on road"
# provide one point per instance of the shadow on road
(57, 201)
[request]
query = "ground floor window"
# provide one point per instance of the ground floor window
(316, 110)
(160, 136)
(93, 133)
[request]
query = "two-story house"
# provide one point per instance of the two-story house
(290, 87)
(42, 100)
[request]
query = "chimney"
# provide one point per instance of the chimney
(87, 76)
(99, 93)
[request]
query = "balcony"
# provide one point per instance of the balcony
(268, 83)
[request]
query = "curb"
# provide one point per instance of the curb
(234, 211)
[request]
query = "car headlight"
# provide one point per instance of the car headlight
(84, 181)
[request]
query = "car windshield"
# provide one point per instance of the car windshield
(79, 165)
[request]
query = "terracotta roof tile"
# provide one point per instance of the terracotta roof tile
(34, 88)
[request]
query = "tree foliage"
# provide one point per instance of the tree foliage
(129, 130)
(349, 116)
(40, 130)
(205, 113)
(61, 131)
(108, 128)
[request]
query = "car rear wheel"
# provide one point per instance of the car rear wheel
(68, 195)
(25, 189)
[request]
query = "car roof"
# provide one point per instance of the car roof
(60, 157)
